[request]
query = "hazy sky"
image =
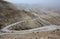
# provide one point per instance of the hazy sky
(34, 1)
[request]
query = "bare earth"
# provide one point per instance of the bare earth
(55, 34)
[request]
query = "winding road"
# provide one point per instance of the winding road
(40, 29)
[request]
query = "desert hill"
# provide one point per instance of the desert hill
(32, 18)
(9, 14)
(28, 23)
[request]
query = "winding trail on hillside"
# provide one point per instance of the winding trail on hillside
(40, 29)
(6, 28)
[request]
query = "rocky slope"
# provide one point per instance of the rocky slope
(32, 18)
(13, 19)
(9, 14)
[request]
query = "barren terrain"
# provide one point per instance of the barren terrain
(28, 23)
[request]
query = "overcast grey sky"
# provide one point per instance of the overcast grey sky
(34, 1)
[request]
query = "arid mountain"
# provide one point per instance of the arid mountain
(9, 14)
(55, 7)
(28, 23)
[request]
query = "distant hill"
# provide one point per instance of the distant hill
(50, 7)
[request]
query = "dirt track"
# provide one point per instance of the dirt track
(52, 34)
(45, 28)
